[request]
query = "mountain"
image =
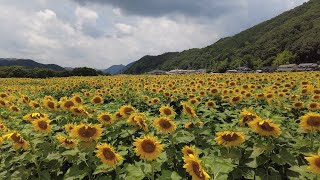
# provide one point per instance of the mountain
(292, 37)
(117, 69)
(29, 64)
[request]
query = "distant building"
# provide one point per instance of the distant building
(269, 69)
(232, 71)
(288, 68)
(307, 67)
(243, 69)
(157, 72)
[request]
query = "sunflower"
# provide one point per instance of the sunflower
(138, 119)
(314, 163)
(126, 110)
(50, 104)
(230, 138)
(187, 150)
(33, 116)
(97, 100)
(118, 116)
(310, 122)
(189, 110)
(3, 103)
(167, 111)
(235, 99)
(68, 127)
(298, 105)
(194, 168)
(265, 127)
(210, 104)
(154, 100)
(87, 132)
(3, 127)
(165, 125)
(14, 108)
(67, 105)
(78, 111)
(42, 125)
(17, 140)
(106, 118)
(190, 124)
(247, 116)
(108, 155)
(77, 99)
(34, 104)
(67, 143)
(315, 97)
(313, 106)
(148, 148)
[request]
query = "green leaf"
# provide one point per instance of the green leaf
(183, 137)
(134, 172)
(169, 175)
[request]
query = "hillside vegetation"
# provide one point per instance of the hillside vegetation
(295, 34)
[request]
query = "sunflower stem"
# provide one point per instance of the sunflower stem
(152, 170)
(311, 140)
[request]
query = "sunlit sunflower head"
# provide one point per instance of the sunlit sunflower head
(66, 142)
(97, 100)
(34, 116)
(298, 105)
(167, 111)
(50, 104)
(42, 125)
(187, 150)
(138, 120)
(126, 110)
(3, 103)
(316, 97)
(310, 122)
(265, 127)
(106, 118)
(230, 138)
(194, 168)
(247, 115)
(68, 127)
(314, 163)
(189, 110)
(3, 128)
(87, 132)
(17, 140)
(313, 106)
(148, 148)
(118, 115)
(78, 111)
(210, 104)
(165, 125)
(34, 104)
(77, 99)
(108, 155)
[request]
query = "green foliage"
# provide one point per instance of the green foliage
(286, 57)
(295, 31)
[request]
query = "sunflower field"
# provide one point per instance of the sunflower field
(199, 126)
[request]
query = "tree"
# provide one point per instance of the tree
(284, 57)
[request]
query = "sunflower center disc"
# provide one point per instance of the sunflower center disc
(68, 104)
(89, 132)
(167, 112)
(51, 105)
(106, 118)
(148, 146)
(188, 110)
(108, 154)
(196, 170)
(16, 138)
(165, 124)
(230, 137)
(314, 121)
(42, 125)
(266, 127)
(97, 100)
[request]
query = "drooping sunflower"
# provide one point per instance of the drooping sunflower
(265, 127)
(68, 127)
(106, 118)
(97, 100)
(194, 168)
(14, 108)
(118, 115)
(34, 104)
(310, 122)
(87, 132)
(165, 125)
(167, 111)
(230, 138)
(190, 124)
(247, 115)
(126, 110)
(17, 140)
(148, 148)
(66, 142)
(108, 155)
(42, 125)
(314, 163)
(50, 104)
(34, 116)
(187, 150)
(189, 110)
(138, 120)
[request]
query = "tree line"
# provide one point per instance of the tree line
(22, 72)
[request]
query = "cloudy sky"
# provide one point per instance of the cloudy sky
(101, 33)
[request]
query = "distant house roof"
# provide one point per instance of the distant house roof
(308, 65)
(157, 72)
(288, 66)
